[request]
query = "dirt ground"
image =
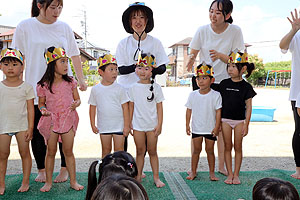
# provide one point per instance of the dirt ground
(268, 144)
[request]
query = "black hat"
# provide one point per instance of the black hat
(136, 6)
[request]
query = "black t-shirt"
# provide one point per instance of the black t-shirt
(234, 95)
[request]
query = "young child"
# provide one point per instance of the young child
(58, 99)
(110, 100)
(146, 114)
(17, 115)
(237, 97)
(204, 107)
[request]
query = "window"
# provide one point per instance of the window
(188, 50)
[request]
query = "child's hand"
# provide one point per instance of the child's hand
(45, 112)
(157, 130)
(245, 130)
(188, 130)
(215, 131)
(28, 135)
(75, 104)
(95, 129)
(126, 131)
(214, 55)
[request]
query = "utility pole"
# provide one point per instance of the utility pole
(84, 25)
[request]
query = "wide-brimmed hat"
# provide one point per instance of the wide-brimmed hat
(136, 6)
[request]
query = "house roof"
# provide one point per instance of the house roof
(186, 41)
(83, 52)
(7, 33)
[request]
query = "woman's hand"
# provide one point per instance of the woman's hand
(295, 21)
(82, 85)
(214, 55)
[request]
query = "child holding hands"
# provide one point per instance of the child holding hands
(204, 107)
(58, 99)
(17, 115)
(109, 100)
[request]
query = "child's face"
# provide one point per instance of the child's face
(233, 71)
(11, 68)
(204, 82)
(138, 22)
(144, 73)
(61, 66)
(109, 75)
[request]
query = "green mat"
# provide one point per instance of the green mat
(203, 188)
(62, 191)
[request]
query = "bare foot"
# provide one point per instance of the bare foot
(46, 188)
(296, 175)
(41, 177)
(191, 176)
(62, 176)
(229, 180)
(236, 180)
(2, 190)
(24, 188)
(223, 172)
(212, 176)
(143, 175)
(189, 171)
(158, 183)
(76, 186)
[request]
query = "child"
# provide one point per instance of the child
(119, 186)
(58, 99)
(110, 99)
(146, 114)
(204, 105)
(274, 188)
(119, 162)
(237, 97)
(17, 115)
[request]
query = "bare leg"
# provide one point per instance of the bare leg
(5, 141)
(63, 172)
(118, 142)
(50, 159)
(238, 139)
(196, 150)
(139, 140)
(296, 175)
(227, 136)
(192, 149)
(26, 161)
(106, 143)
(152, 151)
(68, 141)
(209, 148)
(221, 149)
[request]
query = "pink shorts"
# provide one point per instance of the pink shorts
(232, 122)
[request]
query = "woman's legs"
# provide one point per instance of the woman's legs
(238, 149)
(118, 142)
(152, 152)
(50, 159)
(68, 141)
(4, 153)
(105, 144)
(139, 140)
(26, 160)
(296, 141)
(227, 136)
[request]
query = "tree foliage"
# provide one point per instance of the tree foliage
(259, 72)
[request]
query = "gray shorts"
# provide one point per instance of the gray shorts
(12, 134)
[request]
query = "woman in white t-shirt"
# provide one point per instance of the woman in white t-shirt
(214, 42)
(32, 37)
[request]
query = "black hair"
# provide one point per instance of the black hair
(151, 90)
(10, 59)
(250, 66)
(119, 162)
(120, 187)
(226, 6)
(103, 67)
(136, 10)
(35, 11)
(49, 75)
(274, 189)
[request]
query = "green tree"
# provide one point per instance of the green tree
(259, 72)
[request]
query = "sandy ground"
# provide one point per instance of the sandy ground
(268, 144)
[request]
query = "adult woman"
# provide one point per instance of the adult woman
(215, 41)
(33, 36)
(138, 21)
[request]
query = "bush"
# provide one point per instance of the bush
(259, 73)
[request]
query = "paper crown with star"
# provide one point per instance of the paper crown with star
(238, 57)
(204, 70)
(53, 54)
(146, 60)
(106, 59)
(13, 53)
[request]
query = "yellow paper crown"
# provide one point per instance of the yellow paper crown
(106, 59)
(9, 52)
(204, 70)
(53, 54)
(238, 57)
(146, 60)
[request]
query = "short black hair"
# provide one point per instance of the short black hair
(103, 67)
(10, 59)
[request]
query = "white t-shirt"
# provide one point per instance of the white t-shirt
(109, 100)
(204, 108)
(206, 39)
(295, 77)
(13, 107)
(145, 112)
(298, 101)
(125, 52)
(32, 38)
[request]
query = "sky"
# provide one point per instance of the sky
(263, 22)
